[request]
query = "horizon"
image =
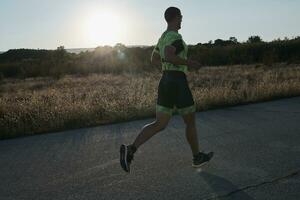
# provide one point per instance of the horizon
(88, 48)
(77, 24)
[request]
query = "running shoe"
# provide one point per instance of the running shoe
(126, 156)
(201, 158)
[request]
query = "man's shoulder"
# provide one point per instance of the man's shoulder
(173, 34)
(170, 34)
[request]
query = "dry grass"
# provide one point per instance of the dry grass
(39, 105)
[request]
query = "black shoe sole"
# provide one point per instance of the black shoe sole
(200, 165)
(210, 154)
(123, 156)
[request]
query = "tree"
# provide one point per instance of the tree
(120, 46)
(233, 40)
(254, 39)
(60, 53)
(60, 48)
(219, 42)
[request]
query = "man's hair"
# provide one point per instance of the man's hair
(171, 13)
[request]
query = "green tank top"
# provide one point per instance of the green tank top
(175, 39)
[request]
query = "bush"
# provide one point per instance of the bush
(119, 59)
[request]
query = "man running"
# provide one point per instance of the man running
(174, 94)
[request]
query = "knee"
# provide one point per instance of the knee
(190, 123)
(160, 125)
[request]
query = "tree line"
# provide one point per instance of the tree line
(22, 63)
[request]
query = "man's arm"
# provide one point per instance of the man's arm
(155, 57)
(171, 57)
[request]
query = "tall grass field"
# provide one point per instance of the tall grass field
(42, 104)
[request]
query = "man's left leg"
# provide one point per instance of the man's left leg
(191, 131)
(199, 157)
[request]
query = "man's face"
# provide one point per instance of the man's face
(178, 20)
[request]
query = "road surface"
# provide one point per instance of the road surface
(257, 156)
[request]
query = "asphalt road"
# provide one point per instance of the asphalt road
(257, 156)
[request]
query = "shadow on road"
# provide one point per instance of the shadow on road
(223, 188)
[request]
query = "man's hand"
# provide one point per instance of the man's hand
(174, 59)
(155, 59)
(193, 63)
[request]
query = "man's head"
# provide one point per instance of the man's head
(173, 17)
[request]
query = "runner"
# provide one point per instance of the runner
(174, 95)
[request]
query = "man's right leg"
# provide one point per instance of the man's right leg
(151, 129)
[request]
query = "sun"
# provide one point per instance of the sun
(104, 28)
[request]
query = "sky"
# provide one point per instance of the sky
(47, 24)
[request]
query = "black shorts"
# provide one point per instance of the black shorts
(174, 94)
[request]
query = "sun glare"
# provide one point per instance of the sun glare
(104, 28)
